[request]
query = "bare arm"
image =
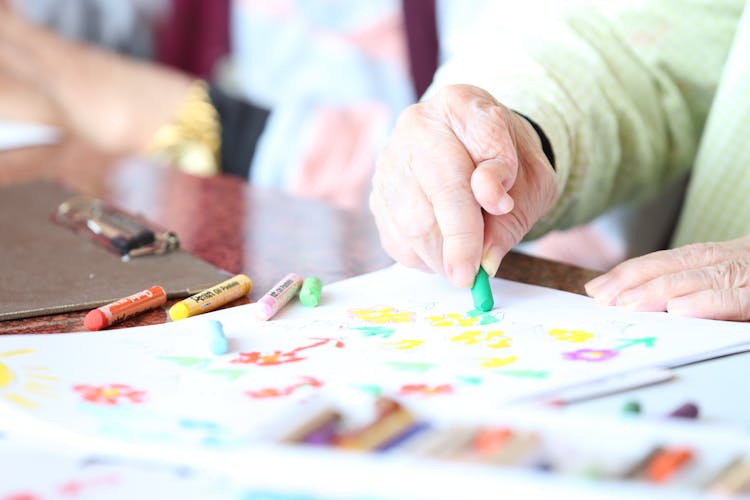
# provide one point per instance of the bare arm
(114, 102)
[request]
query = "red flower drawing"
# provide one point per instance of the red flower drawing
(425, 390)
(110, 394)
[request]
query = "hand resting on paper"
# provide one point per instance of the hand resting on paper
(704, 280)
(449, 157)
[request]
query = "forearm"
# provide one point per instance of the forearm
(128, 106)
(115, 102)
(135, 97)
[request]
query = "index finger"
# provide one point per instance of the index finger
(457, 212)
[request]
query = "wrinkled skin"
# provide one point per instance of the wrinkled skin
(703, 280)
(461, 181)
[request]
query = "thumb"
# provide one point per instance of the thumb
(483, 126)
(490, 183)
(533, 194)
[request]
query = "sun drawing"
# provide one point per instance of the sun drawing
(24, 385)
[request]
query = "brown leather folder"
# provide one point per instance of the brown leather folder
(47, 268)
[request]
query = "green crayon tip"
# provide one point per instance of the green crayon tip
(310, 292)
(481, 292)
(632, 408)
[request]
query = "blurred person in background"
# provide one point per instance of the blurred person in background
(295, 95)
(299, 96)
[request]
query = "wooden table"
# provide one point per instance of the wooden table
(237, 227)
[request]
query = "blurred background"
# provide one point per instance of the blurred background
(318, 85)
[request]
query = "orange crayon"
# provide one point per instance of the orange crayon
(490, 440)
(665, 464)
(127, 307)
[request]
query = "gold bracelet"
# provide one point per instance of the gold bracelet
(191, 140)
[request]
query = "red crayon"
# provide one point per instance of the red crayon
(104, 316)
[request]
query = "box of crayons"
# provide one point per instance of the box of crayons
(532, 450)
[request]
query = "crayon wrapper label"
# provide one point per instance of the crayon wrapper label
(124, 307)
(220, 293)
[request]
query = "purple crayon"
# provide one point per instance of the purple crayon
(686, 410)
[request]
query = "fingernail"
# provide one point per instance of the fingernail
(505, 204)
(593, 286)
(605, 294)
(491, 261)
(627, 299)
(606, 300)
(462, 275)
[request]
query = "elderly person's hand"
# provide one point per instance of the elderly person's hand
(704, 280)
(113, 102)
(448, 158)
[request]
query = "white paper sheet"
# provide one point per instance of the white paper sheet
(396, 332)
(31, 472)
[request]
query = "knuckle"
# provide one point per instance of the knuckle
(662, 285)
(449, 193)
(445, 93)
(478, 120)
(486, 133)
(731, 304)
(696, 253)
(672, 285)
(410, 118)
(628, 273)
(709, 251)
(412, 112)
(458, 92)
(728, 275)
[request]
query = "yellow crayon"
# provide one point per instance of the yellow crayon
(391, 421)
(212, 298)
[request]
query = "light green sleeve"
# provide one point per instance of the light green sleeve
(621, 88)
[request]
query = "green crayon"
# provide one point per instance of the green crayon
(631, 408)
(309, 294)
(481, 292)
